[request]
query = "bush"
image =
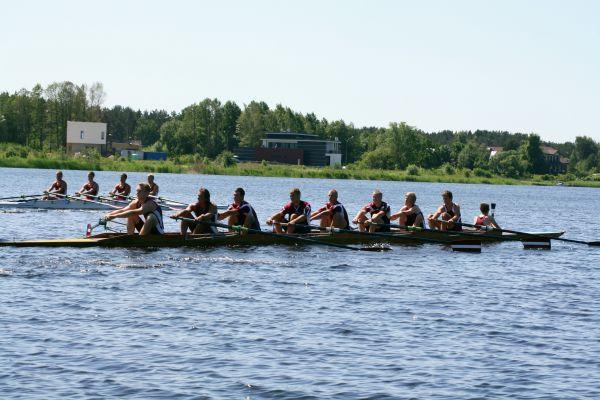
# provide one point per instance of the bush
(412, 170)
(448, 169)
(226, 159)
(482, 173)
(467, 173)
(264, 163)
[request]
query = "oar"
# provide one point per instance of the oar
(66, 196)
(592, 243)
(23, 196)
(294, 239)
(164, 199)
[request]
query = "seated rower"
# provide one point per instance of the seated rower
(58, 189)
(89, 189)
(143, 205)
(202, 210)
(240, 212)
(449, 213)
(380, 215)
(122, 189)
(484, 220)
(295, 213)
(153, 186)
(410, 214)
(333, 214)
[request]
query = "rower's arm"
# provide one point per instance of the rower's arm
(207, 216)
(457, 215)
(437, 214)
(493, 223)
(185, 211)
(226, 214)
(118, 213)
(359, 215)
(318, 214)
(275, 217)
(299, 219)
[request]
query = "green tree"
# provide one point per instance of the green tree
(532, 153)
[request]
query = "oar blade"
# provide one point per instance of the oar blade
(593, 243)
(537, 243)
(466, 246)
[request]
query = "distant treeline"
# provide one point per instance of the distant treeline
(38, 118)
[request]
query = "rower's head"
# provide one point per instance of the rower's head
(59, 175)
(142, 191)
(447, 196)
(204, 196)
(295, 195)
(333, 195)
(484, 208)
(238, 195)
(91, 176)
(377, 196)
(410, 198)
(150, 178)
(123, 178)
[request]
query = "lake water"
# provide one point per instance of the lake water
(302, 322)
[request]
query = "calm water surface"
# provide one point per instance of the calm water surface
(302, 322)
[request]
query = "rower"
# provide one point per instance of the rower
(379, 211)
(410, 214)
(202, 210)
(449, 213)
(89, 189)
(122, 189)
(332, 214)
(295, 214)
(484, 220)
(142, 205)
(240, 212)
(153, 185)
(59, 187)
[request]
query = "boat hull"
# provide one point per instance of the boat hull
(58, 204)
(235, 239)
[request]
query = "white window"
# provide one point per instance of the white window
(81, 135)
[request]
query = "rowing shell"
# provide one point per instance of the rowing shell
(58, 204)
(235, 239)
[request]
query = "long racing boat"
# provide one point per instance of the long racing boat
(110, 239)
(58, 204)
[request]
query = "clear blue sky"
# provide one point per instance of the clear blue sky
(527, 66)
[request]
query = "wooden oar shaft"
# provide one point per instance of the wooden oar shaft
(294, 238)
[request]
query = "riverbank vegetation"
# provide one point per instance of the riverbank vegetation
(17, 156)
(202, 136)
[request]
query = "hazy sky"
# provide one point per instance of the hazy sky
(527, 66)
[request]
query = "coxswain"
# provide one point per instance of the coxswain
(332, 214)
(379, 212)
(449, 213)
(240, 212)
(142, 205)
(410, 214)
(89, 189)
(153, 186)
(59, 187)
(484, 220)
(201, 211)
(122, 189)
(293, 217)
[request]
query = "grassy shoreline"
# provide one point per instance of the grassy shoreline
(276, 170)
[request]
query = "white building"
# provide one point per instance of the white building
(83, 135)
